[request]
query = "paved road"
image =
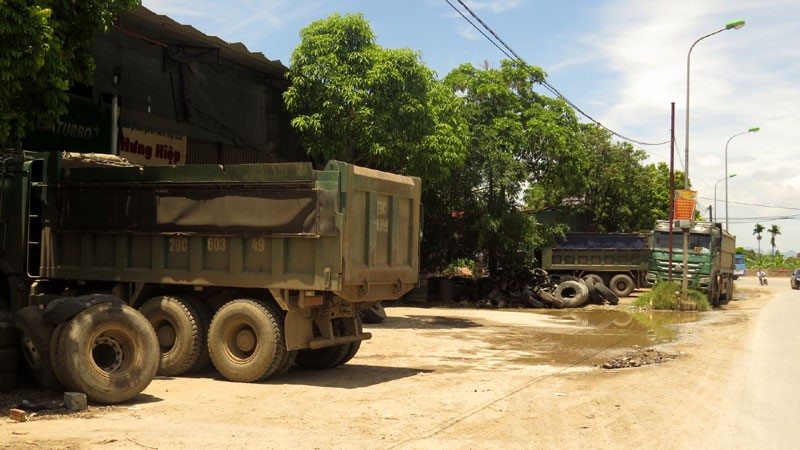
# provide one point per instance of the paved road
(762, 409)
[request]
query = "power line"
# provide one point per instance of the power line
(547, 85)
(757, 205)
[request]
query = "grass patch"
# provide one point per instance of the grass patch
(667, 295)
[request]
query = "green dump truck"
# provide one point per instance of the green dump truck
(618, 260)
(254, 267)
(710, 260)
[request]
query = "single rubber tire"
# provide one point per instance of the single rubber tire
(63, 378)
(65, 308)
(8, 381)
(34, 340)
(179, 329)
(621, 285)
(206, 314)
(606, 293)
(8, 337)
(322, 358)
(374, 314)
(353, 347)
(9, 359)
(597, 279)
(572, 293)
(594, 297)
(245, 339)
(109, 351)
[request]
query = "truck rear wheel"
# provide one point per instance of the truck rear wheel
(621, 285)
(108, 351)
(35, 335)
(179, 329)
(374, 314)
(322, 358)
(245, 340)
(206, 314)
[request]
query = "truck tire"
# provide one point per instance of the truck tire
(109, 351)
(65, 308)
(206, 314)
(8, 381)
(572, 293)
(9, 359)
(597, 279)
(322, 358)
(8, 337)
(61, 376)
(353, 347)
(34, 338)
(594, 297)
(621, 285)
(245, 339)
(374, 314)
(606, 293)
(179, 330)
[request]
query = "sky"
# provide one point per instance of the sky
(622, 62)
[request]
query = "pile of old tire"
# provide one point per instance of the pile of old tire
(9, 353)
(93, 344)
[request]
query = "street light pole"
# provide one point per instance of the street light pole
(751, 130)
(715, 193)
(734, 25)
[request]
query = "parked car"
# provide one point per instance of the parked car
(794, 280)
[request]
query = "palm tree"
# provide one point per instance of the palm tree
(774, 230)
(757, 231)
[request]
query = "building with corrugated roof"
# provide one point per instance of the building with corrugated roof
(176, 96)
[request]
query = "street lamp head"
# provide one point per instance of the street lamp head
(753, 130)
(736, 24)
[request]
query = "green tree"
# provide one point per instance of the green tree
(45, 51)
(774, 231)
(518, 138)
(621, 194)
(356, 101)
(757, 231)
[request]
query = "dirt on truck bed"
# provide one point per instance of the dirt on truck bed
(435, 377)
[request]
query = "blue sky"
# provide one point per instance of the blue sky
(621, 61)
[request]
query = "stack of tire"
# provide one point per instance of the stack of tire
(93, 344)
(9, 353)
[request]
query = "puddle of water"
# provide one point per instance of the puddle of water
(582, 336)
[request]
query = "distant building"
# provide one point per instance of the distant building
(176, 96)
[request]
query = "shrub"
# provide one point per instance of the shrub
(667, 295)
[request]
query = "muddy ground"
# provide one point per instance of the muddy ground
(436, 377)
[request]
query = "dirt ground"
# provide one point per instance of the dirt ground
(444, 378)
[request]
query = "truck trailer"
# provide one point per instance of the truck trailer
(618, 260)
(255, 267)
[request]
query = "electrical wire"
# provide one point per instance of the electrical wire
(545, 83)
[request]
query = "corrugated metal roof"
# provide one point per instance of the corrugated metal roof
(145, 23)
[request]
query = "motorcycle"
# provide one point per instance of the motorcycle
(762, 279)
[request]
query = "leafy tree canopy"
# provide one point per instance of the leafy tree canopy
(356, 101)
(45, 51)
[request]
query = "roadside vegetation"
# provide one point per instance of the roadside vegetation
(667, 296)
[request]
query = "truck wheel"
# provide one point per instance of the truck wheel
(621, 285)
(65, 308)
(572, 293)
(606, 293)
(60, 374)
(35, 335)
(353, 347)
(244, 340)
(374, 314)
(8, 337)
(206, 314)
(322, 358)
(179, 330)
(109, 351)
(9, 359)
